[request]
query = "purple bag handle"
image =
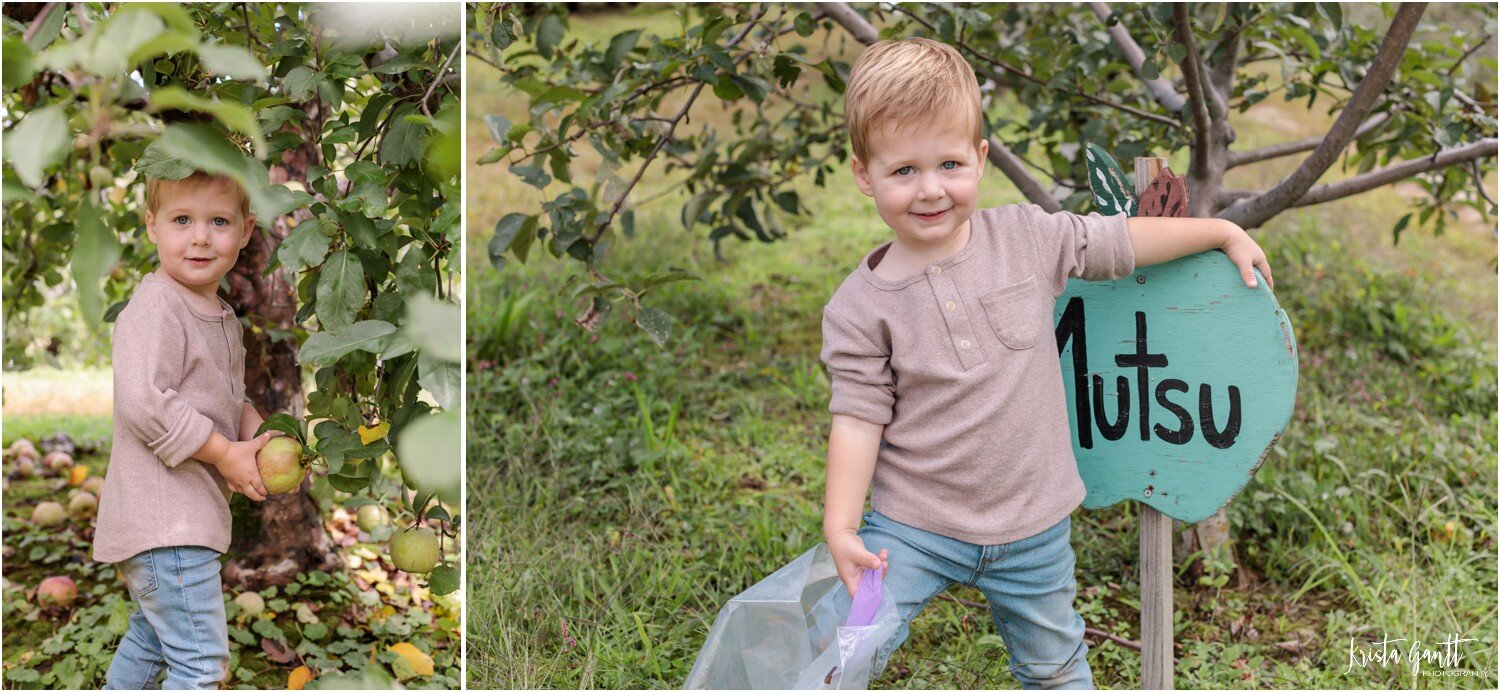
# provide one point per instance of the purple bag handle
(866, 599)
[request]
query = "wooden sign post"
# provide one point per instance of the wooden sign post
(1181, 379)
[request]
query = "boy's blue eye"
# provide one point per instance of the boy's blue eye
(221, 221)
(180, 219)
(904, 170)
(947, 168)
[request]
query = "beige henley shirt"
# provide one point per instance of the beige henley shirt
(179, 375)
(960, 366)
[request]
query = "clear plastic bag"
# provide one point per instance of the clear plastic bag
(797, 629)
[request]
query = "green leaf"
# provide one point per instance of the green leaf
(51, 26)
(94, 255)
(506, 231)
(435, 327)
(402, 63)
(17, 66)
(37, 143)
(431, 454)
(341, 290)
(805, 25)
(232, 61)
(348, 484)
(235, 116)
(443, 580)
(439, 377)
(668, 276)
(403, 143)
(300, 83)
(327, 346)
(284, 423)
(620, 47)
(497, 126)
(269, 630)
(279, 200)
(202, 148)
(658, 324)
(549, 35)
(155, 162)
(127, 30)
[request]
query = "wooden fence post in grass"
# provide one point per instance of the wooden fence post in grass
(1181, 379)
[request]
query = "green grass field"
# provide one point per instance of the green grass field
(619, 493)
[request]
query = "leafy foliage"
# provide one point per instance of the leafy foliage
(360, 130)
(629, 99)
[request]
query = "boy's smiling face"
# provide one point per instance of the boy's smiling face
(925, 180)
(199, 231)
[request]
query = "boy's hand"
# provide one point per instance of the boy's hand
(239, 469)
(849, 554)
(1246, 255)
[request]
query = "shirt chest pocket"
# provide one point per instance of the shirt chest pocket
(1012, 313)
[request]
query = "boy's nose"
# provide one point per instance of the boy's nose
(930, 188)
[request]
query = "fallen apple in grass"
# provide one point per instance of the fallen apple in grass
(83, 505)
(56, 592)
(58, 462)
(415, 550)
(280, 464)
(48, 514)
(251, 604)
(95, 485)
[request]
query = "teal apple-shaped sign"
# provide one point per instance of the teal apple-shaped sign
(1180, 378)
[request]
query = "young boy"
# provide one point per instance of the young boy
(180, 438)
(947, 392)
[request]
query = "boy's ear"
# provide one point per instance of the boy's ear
(861, 176)
(984, 155)
(151, 226)
(249, 228)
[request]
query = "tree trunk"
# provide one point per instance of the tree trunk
(284, 535)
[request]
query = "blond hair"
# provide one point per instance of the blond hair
(156, 188)
(907, 81)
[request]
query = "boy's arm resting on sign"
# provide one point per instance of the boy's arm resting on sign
(1162, 239)
(852, 447)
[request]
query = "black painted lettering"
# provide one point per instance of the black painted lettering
(1070, 328)
(1116, 430)
(1184, 431)
(1220, 440)
(1142, 361)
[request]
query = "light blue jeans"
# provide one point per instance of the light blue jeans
(1029, 585)
(179, 628)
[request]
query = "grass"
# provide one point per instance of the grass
(619, 493)
(48, 390)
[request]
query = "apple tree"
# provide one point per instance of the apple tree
(345, 134)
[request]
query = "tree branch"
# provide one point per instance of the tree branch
(1254, 211)
(666, 137)
(997, 64)
(41, 18)
(1160, 89)
(1003, 158)
(437, 78)
(1240, 158)
(1384, 176)
(1197, 92)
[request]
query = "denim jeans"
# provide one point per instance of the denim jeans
(179, 628)
(1029, 585)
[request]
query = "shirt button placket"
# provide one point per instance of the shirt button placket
(959, 328)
